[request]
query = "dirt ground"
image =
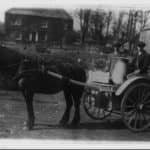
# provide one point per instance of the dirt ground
(48, 111)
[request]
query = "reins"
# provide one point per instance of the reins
(61, 77)
(79, 83)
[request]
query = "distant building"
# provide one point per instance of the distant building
(2, 31)
(37, 25)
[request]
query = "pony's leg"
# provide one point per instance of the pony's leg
(76, 118)
(77, 94)
(68, 98)
(29, 104)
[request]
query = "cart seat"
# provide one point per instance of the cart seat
(98, 76)
(116, 75)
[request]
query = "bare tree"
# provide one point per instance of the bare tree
(143, 18)
(118, 25)
(84, 19)
(97, 24)
(135, 18)
(108, 21)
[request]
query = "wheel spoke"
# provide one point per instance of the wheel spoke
(144, 118)
(135, 120)
(103, 112)
(92, 106)
(91, 101)
(132, 99)
(96, 111)
(146, 99)
(140, 93)
(87, 105)
(139, 97)
(100, 113)
(139, 120)
(147, 106)
(148, 102)
(91, 109)
(144, 94)
(147, 111)
(136, 107)
(130, 113)
(129, 107)
(131, 118)
(88, 100)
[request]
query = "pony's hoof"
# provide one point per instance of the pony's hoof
(74, 124)
(27, 126)
(62, 123)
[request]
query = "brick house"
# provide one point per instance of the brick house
(37, 25)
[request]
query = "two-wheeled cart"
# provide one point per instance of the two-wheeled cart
(130, 99)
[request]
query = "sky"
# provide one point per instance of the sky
(73, 4)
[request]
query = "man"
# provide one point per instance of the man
(141, 61)
(118, 66)
(117, 46)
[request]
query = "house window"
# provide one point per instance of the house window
(19, 37)
(44, 24)
(30, 37)
(17, 22)
(43, 36)
(66, 27)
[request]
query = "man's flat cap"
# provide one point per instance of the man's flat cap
(117, 44)
(141, 44)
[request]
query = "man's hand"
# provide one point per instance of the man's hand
(137, 71)
(130, 59)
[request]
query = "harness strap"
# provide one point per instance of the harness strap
(100, 86)
(88, 85)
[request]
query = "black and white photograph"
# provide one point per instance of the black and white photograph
(74, 74)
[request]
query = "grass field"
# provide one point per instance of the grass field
(48, 111)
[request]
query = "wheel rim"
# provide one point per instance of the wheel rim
(136, 107)
(93, 110)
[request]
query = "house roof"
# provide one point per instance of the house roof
(2, 28)
(49, 13)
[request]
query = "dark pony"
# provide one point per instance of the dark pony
(32, 77)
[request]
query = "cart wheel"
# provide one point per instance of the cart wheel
(135, 107)
(96, 105)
